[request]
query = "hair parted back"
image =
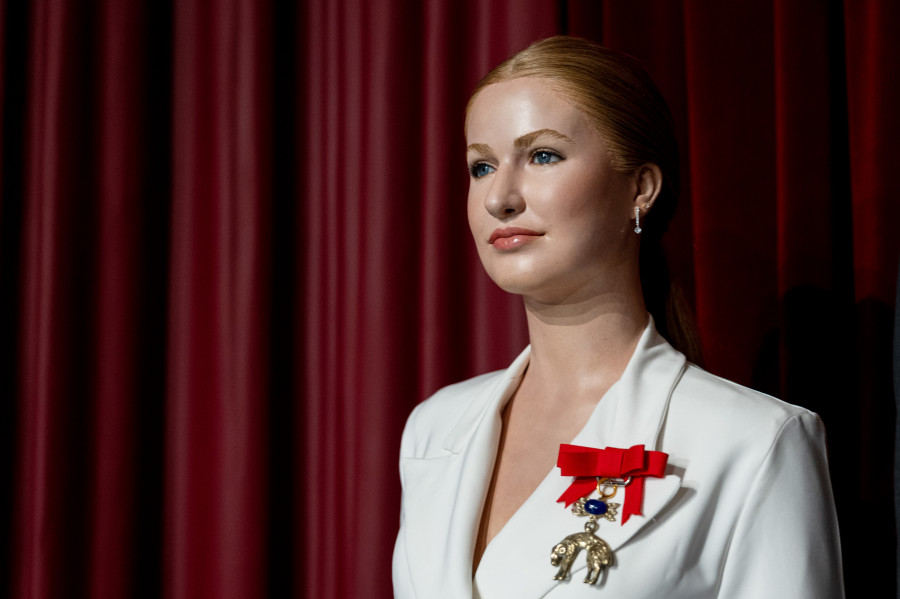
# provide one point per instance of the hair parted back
(618, 96)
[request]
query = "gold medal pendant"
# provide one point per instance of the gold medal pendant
(599, 555)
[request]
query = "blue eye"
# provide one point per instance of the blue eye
(480, 169)
(545, 157)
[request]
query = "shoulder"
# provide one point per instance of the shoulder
(708, 392)
(760, 464)
(432, 420)
(742, 424)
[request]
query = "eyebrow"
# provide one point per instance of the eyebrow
(482, 149)
(524, 141)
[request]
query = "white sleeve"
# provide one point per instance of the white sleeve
(400, 563)
(786, 542)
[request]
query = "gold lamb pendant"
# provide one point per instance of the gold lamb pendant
(599, 555)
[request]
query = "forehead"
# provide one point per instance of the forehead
(516, 107)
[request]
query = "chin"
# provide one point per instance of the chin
(556, 285)
(527, 283)
(507, 284)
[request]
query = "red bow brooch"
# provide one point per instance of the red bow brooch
(587, 464)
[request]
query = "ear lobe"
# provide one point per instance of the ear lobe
(649, 184)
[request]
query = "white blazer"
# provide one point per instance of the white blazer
(745, 509)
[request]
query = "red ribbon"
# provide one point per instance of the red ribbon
(587, 463)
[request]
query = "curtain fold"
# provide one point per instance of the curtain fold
(120, 141)
(56, 252)
(871, 56)
(234, 256)
(216, 415)
(729, 64)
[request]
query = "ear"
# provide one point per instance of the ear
(649, 181)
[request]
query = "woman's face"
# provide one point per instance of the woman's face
(549, 214)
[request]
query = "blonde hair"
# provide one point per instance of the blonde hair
(627, 109)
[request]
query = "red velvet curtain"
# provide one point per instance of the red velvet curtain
(233, 257)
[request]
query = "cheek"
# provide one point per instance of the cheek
(474, 213)
(568, 203)
(598, 202)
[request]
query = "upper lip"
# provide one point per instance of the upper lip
(510, 232)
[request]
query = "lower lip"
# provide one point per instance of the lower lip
(514, 242)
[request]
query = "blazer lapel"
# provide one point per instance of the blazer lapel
(517, 561)
(441, 540)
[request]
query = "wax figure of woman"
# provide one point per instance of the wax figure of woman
(573, 179)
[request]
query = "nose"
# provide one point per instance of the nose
(504, 199)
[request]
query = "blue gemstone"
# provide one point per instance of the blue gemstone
(595, 507)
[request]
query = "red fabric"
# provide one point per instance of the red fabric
(872, 49)
(589, 463)
(117, 306)
(216, 476)
(234, 256)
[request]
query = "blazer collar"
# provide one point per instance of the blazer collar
(440, 539)
(480, 412)
(517, 561)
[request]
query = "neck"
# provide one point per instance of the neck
(578, 350)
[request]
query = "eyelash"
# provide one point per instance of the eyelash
(546, 151)
(474, 167)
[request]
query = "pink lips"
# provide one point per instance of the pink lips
(511, 238)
